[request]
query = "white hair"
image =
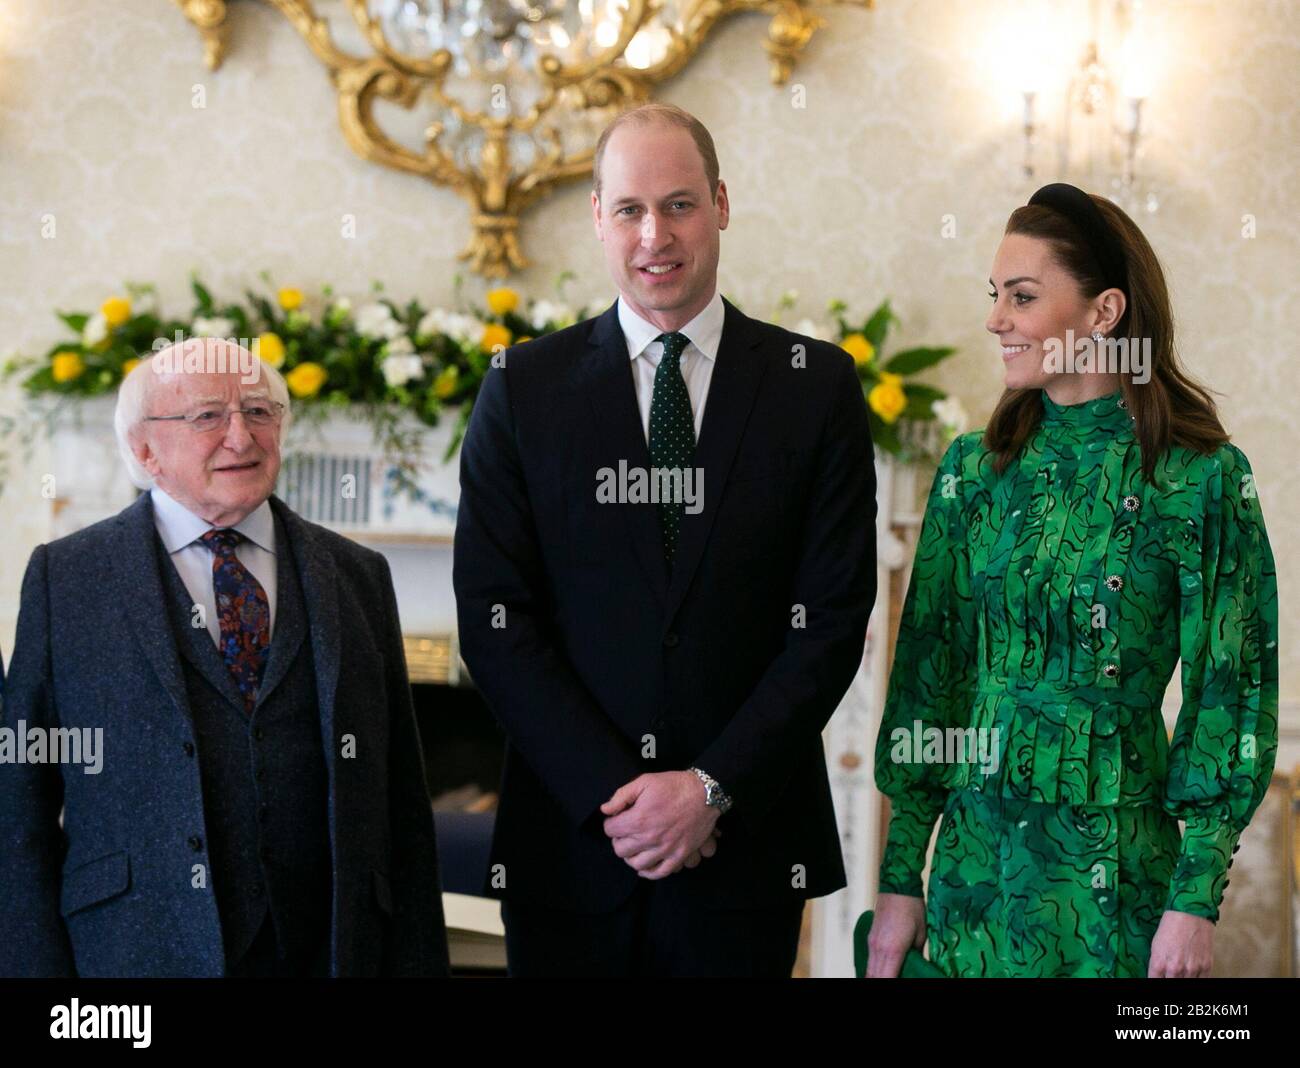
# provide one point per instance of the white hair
(129, 414)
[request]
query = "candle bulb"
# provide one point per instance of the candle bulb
(1133, 115)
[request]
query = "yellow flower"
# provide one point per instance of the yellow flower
(503, 300)
(129, 365)
(887, 400)
(494, 335)
(890, 379)
(859, 348)
(290, 299)
(306, 379)
(116, 310)
(270, 348)
(67, 366)
(445, 384)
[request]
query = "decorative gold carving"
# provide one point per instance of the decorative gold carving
(209, 17)
(497, 190)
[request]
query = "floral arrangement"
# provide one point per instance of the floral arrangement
(404, 366)
(892, 402)
(385, 358)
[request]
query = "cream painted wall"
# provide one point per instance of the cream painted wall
(908, 118)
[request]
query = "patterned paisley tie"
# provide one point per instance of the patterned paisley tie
(672, 432)
(244, 612)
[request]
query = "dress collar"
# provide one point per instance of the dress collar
(1101, 415)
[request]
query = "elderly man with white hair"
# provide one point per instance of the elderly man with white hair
(261, 807)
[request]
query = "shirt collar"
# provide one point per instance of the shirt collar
(179, 527)
(704, 331)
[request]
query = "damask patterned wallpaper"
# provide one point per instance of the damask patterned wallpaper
(840, 185)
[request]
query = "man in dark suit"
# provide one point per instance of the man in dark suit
(261, 807)
(664, 650)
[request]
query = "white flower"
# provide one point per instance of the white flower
(217, 326)
(337, 313)
(545, 311)
(95, 330)
(376, 320)
(431, 322)
(951, 414)
(811, 329)
(400, 369)
(461, 327)
(399, 346)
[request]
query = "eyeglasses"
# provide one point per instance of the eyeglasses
(207, 419)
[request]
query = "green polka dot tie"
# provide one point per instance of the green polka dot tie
(672, 432)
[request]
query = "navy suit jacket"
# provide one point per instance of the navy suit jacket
(602, 666)
(95, 649)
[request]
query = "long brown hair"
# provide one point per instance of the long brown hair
(1169, 409)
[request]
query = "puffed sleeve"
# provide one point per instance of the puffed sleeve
(1225, 740)
(934, 676)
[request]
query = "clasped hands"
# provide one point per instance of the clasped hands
(660, 823)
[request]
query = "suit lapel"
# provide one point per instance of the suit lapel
(138, 586)
(319, 577)
(736, 377)
(290, 627)
(612, 392)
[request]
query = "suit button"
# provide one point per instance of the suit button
(189, 749)
(257, 733)
(671, 640)
(257, 889)
(196, 843)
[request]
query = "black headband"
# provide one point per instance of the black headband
(1078, 207)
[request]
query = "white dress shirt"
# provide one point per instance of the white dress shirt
(180, 530)
(698, 358)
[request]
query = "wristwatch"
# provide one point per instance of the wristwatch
(714, 793)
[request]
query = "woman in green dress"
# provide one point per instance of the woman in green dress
(1100, 530)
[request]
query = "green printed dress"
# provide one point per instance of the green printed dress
(1047, 610)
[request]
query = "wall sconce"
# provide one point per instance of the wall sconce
(1098, 141)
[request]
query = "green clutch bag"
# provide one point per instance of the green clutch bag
(915, 966)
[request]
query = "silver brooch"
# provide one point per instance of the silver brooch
(1114, 583)
(1131, 503)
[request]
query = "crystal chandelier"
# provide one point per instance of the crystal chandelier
(511, 95)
